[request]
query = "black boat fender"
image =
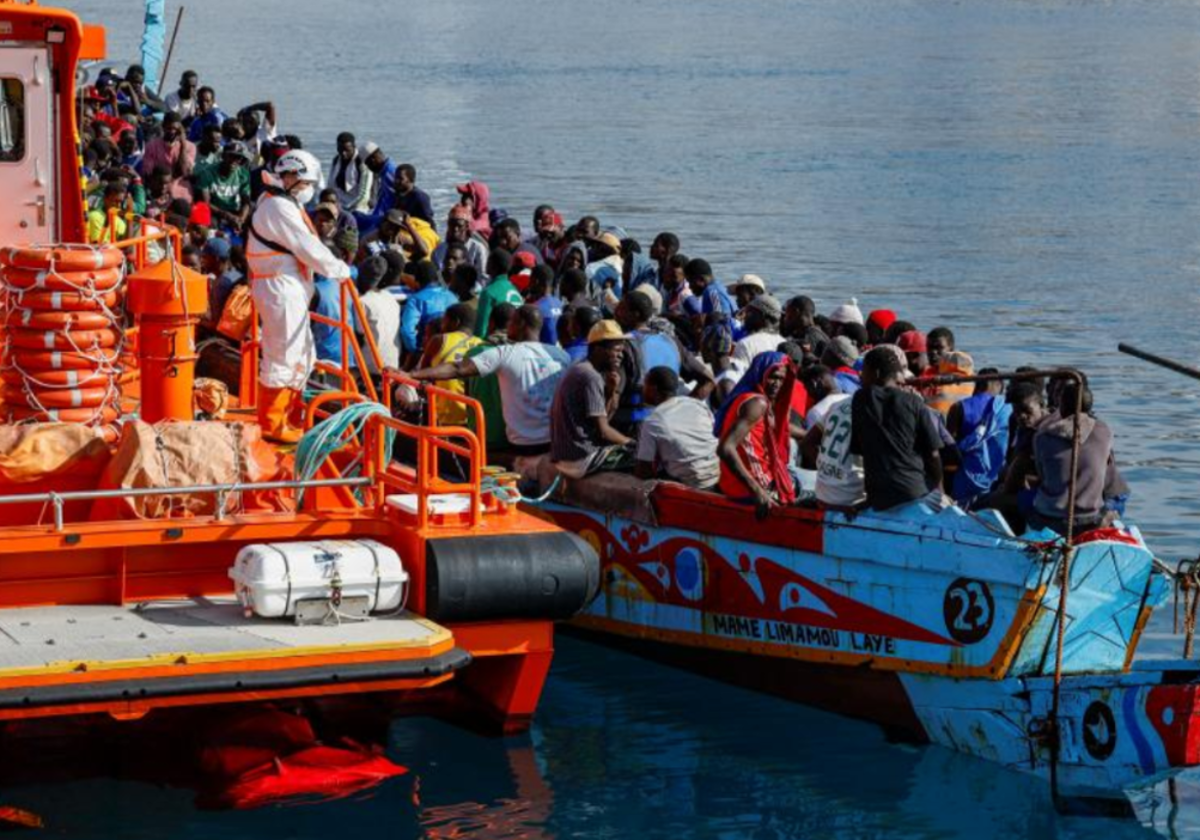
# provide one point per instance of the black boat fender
(532, 576)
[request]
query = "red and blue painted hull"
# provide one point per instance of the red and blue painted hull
(935, 624)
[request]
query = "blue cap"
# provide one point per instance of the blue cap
(217, 247)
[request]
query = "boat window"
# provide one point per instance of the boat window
(12, 120)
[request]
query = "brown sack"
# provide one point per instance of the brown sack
(46, 450)
(172, 454)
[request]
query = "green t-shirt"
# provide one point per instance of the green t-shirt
(226, 192)
(500, 290)
(486, 389)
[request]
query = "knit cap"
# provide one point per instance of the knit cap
(847, 313)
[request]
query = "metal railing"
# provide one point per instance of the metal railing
(222, 492)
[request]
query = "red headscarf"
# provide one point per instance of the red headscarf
(773, 431)
(480, 199)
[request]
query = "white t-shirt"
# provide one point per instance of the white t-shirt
(817, 414)
(528, 374)
(383, 316)
(750, 346)
(678, 436)
(839, 472)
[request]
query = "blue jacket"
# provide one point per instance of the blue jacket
(215, 117)
(328, 340)
(386, 178)
(421, 309)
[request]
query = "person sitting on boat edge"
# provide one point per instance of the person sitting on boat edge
(1097, 479)
(894, 432)
(754, 432)
(1014, 492)
(582, 441)
(528, 373)
(676, 440)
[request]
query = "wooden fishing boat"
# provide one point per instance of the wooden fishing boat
(116, 597)
(942, 626)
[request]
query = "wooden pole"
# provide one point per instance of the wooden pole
(1194, 373)
(162, 76)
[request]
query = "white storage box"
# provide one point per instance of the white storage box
(270, 578)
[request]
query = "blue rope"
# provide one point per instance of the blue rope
(512, 494)
(330, 436)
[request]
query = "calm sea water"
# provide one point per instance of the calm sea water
(1025, 172)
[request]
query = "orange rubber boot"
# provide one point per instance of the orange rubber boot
(273, 407)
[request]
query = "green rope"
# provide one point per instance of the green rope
(332, 435)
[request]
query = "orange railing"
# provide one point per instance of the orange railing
(424, 479)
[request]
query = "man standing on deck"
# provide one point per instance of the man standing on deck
(284, 252)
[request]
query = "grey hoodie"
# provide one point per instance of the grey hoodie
(1097, 472)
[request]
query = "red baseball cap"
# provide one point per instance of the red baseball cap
(522, 261)
(912, 341)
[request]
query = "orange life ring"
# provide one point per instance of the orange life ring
(62, 415)
(79, 320)
(75, 340)
(63, 258)
(34, 360)
(102, 280)
(80, 378)
(61, 398)
(62, 301)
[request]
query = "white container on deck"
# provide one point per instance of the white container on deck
(269, 578)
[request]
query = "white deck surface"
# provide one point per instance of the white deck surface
(40, 636)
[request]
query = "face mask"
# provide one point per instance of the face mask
(305, 194)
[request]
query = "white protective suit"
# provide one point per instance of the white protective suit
(282, 287)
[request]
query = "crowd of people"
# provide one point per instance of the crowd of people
(584, 347)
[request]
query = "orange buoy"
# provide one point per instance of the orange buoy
(24, 279)
(62, 301)
(41, 379)
(41, 398)
(64, 339)
(107, 414)
(79, 320)
(30, 360)
(63, 257)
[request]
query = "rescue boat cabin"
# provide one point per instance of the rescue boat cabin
(149, 560)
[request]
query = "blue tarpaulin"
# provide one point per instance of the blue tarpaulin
(154, 37)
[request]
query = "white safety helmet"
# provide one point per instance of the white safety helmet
(305, 166)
